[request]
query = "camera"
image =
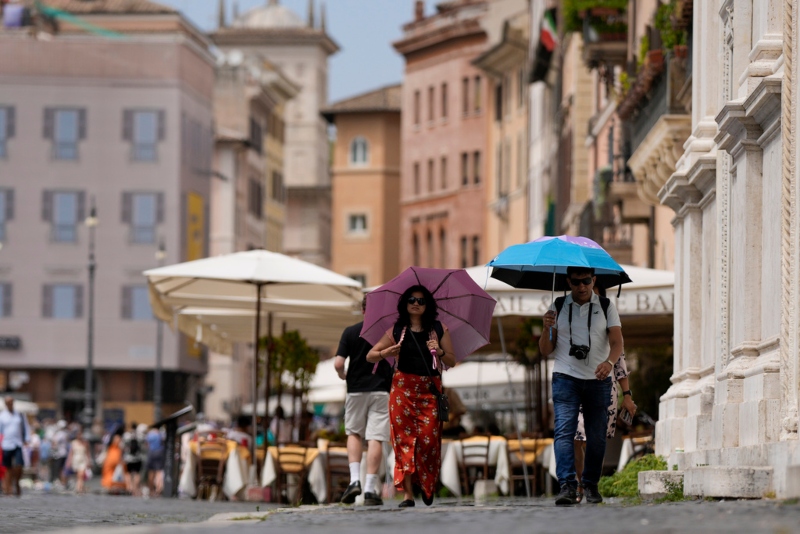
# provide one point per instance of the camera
(580, 352)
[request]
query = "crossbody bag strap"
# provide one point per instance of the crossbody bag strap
(434, 389)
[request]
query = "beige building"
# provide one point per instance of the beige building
(126, 124)
(300, 49)
(247, 197)
(366, 185)
(505, 66)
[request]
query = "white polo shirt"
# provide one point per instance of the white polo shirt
(569, 365)
(11, 429)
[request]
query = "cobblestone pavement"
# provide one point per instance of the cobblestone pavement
(96, 514)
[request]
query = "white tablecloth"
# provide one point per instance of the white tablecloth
(233, 480)
(316, 475)
(498, 457)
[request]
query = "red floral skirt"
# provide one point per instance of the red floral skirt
(416, 431)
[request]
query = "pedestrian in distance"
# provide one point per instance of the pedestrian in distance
(585, 339)
(78, 461)
(421, 345)
(133, 458)
(366, 411)
(155, 462)
(620, 383)
(15, 434)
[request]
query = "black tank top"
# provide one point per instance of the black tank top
(410, 360)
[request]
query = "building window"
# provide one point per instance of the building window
(443, 171)
(476, 250)
(143, 129)
(476, 163)
(507, 93)
(478, 94)
(443, 249)
(520, 160)
(464, 168)
(256, 135)
(65, 127)
(465, 96)
(360, 278)
(430, 176)
(417, 103)
(431, 103)
(142, 212)
(357, 223)
(501, 190)
(63, 210)
(255, 199)
(431, 259)
(359, 151)
(521, 88)
(7, 128)
(416, 179)
(498, 101)
(507, 164)
(136, 303)
(415, 248)
(444, 100)
(464, 252)
(62, 301)
(278, 189)
(5, 300)
(6, 211)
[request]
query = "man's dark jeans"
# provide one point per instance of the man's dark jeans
(569, 394)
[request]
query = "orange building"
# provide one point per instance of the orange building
(444, 135)
(366, 185)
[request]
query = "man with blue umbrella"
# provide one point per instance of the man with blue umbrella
(585, 340)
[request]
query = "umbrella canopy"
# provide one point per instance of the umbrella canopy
(532, 265)
(21, 406)
(464, 307)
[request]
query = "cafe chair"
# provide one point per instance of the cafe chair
(337, 470)
(474, 461)
(211, 469)
(522, 453)
(291, 471)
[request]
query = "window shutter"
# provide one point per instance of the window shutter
(47, 206)
(78, 301)
(127, 311)
(159, 208)
(82, 123)
(7, 300)
(9, 204)
(162, 124)
(10, 122)
(49, 123)
(206, 221)
(127, 125)
(81, 214)
(47, 301)
(127, 208)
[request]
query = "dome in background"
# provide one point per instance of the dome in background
(272, 15)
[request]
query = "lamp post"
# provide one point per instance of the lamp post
(88, 411)
(160, 255)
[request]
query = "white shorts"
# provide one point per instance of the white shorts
(367, 415)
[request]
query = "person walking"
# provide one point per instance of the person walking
(155, 462)
(113, 474)
(78, 459)
(590, 344)
(15, 434)
(366, 411)
(132, 456)
(420, 345)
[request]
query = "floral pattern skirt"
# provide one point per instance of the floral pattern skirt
(416, 431)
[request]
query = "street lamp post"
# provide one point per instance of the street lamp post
(88, 411)
(160, 255)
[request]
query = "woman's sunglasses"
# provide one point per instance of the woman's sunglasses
(418, 300)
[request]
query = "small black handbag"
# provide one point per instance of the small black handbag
(442, 402)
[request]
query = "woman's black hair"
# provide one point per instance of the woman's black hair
(428, 316)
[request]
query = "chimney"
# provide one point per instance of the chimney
(310, 13)
(221, 14)
(419, 10)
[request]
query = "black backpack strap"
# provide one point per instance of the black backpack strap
(559, 305)
(604, 303)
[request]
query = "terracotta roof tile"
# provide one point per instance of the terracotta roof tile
(383, 99)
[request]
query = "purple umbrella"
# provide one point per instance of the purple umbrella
(464, 307)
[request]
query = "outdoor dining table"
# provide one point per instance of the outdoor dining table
(315, 464)
(450, 474)
(236, 469)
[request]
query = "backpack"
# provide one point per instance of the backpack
(133, 446)
(604, 303)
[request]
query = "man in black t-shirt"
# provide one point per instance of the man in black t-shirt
(366, 411)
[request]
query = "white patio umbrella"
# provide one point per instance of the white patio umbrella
(257, 280)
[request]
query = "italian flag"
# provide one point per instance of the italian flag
(549, 36)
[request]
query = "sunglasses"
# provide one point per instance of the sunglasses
(577, 281)
(418, 300)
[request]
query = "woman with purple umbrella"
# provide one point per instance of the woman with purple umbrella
(420, 344)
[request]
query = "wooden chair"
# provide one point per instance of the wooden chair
(337, 470)
(211, 457)
(474, 461)
(521, 454)
(291, 470)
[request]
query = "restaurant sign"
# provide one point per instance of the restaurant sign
(645, 301)
(10, 343)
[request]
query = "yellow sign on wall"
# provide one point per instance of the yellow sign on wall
(195, 248)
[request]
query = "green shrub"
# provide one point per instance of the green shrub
(573, 8)
(625, 483)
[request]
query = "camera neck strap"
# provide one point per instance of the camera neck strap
(588, 326)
